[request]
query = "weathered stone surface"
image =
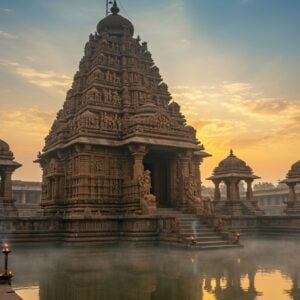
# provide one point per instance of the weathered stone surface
(118, 121)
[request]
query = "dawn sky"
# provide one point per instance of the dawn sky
(232, 65)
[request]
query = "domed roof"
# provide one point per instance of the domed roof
(295, 170)
(115, 22)
(232, 166)
(4, 147)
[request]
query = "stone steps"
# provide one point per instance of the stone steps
(199, 235)
(193, 233)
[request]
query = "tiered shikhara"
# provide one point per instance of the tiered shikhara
(118, 121)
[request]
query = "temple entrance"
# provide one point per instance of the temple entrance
(159, 164)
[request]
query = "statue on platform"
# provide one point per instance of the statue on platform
(193, 201)
(148, 201)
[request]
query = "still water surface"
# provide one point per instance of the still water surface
(263, 269)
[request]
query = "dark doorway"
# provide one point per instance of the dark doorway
(159, 165)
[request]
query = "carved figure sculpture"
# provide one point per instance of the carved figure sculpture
(148, 201)
(194, 203)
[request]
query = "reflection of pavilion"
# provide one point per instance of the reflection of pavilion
(294, 293)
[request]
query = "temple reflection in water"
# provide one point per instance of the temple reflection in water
(263, 270)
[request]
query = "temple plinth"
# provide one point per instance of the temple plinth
(118, 130)
(231, 171)
(7, 167)
(292, 179)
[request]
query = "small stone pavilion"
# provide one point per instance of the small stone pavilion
(231, 171)
(120, 144)
(7, 167)
(292, 179)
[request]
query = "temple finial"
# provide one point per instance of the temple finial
(115, 9)
(231, 152)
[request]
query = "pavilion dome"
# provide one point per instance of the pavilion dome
(232, 164)
(114, 22)
(295, 170)
(4, 147)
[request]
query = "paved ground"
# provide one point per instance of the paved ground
(7, 293)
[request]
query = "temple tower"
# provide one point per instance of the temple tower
(7, 167)
(231, 171)
(119, 141)
(292, 179)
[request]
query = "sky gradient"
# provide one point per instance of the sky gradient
(232, 65)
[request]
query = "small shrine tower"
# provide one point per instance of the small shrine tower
(7, 167)
(231, 171)
(292, 179)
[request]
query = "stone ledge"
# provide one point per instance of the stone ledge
(7, 293)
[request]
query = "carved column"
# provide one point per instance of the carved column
(138, 152)
(7, 185)
(23, 195)
(234, 193)
(292, 193)
(184, 165)
(197, 161)
(249, 193)
(217, 194)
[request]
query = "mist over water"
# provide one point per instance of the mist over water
(263, 269)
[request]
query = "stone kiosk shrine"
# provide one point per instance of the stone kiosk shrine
(119, 145)
(231, 171)
(7, 167)
(292, 179)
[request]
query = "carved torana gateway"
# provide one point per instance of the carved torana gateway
(119, 144)
(231, 171)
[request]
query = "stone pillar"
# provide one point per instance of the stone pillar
(197, 161)
(292, 193)
(173, 182)
(7, 185)
(227, 183)
(23, 197)
(185, 173)
(234, 193)
(138, 152)
(217, 194)
(249, 193)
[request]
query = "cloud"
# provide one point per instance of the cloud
(5, 10)
(28, 121)
(41, 78)
(271, 106)
(7, 35)
(237, 87)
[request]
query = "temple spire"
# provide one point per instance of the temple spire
(231, 152)
(115, 9)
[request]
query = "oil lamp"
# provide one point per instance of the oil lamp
(6, 276)
(237, 238)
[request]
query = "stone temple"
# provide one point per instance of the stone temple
(119, 145)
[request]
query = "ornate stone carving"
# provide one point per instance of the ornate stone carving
(117, 103)
(148, 201)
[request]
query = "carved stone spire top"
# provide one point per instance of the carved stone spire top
(115, 9)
